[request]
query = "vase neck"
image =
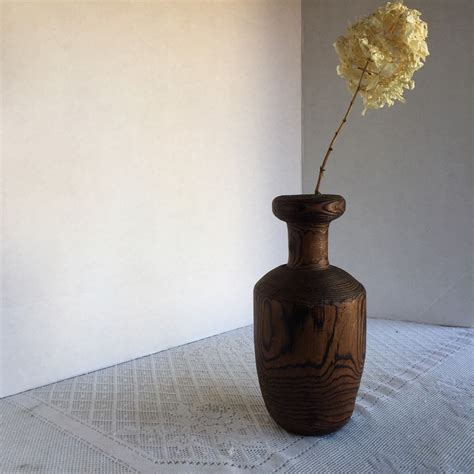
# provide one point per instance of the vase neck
(308, 217)
(308, 245)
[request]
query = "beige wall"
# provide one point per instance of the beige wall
(406, 172)
(142, 145)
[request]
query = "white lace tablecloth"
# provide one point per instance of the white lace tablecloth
(197, 408)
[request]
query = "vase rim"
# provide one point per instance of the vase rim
(309, 197)
(308, 208)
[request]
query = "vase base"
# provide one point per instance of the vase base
(306, 431)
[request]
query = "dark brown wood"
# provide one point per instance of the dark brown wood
(309, 324)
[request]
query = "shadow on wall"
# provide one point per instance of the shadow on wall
(405, 171)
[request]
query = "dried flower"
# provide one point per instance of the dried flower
(392, 39)
(379, 55)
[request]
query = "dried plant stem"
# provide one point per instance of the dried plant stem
(344, 120)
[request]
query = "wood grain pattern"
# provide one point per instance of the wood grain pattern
(309, 324)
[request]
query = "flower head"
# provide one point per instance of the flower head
(392, 40)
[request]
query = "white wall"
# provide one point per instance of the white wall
(142, 146)
(406, 172)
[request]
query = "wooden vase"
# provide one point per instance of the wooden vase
(309, 324)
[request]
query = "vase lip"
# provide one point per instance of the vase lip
(308, 208)
(310, 197)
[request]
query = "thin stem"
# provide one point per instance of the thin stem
(344, 120)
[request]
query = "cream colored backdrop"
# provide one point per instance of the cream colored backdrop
(142, 145)
(406, 172)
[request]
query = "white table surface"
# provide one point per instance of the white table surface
(197, 408)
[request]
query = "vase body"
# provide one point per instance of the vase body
(309, 324)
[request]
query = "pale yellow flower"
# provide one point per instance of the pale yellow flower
(392, 39)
